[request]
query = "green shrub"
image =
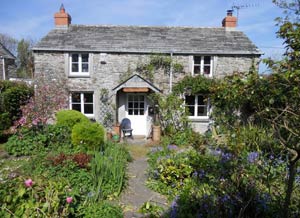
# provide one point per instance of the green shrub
(103, 209)
(4, 121)
(32, 141)
(70, 117)
(87, 135)
(42, 197)
(13, 98)
(19, 145)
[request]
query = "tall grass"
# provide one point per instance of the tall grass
(108, 171)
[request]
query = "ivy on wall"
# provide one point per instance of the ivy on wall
(195, 84)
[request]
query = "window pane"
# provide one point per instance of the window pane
(141, 98)
(136, 112)
(207, 60)
(88, 98)
(76, 107)
(189, 100)
(74, 57)
(141, 105)
(76, 97)
(85, 68)
(197, 59)
(130, 98)
(202, 111)
(136, 105)
(75, 68)
(88, 109)
(85, 57)
(201, 100)
(130, 112)
(136, 98)
(141, 112)
(190, 110)
(206, 70)
(196, 69)
(130, 105)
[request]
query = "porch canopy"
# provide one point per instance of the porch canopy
(136, 84)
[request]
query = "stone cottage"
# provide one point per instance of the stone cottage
(7, 63)
(100, 64)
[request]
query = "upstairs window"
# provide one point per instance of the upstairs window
(197, 106)
(202, 65)
(79, 64)
(83, 102)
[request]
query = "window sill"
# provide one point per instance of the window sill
(200, 119)
(91, 116)
(79, 75)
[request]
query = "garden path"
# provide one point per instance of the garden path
(137, 193)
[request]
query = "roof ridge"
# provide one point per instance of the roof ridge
(143, 26)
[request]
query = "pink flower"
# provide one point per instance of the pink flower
(69, 200)
(28, 183)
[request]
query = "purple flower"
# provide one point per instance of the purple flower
(252, 157)
(156, 149)
(174, 206)
(226, 157)
(172, 147)
(216, 152)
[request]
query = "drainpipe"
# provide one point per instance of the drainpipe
(3, 67)
(171, 72)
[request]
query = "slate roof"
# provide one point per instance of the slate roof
(4, 52)
(147, 39)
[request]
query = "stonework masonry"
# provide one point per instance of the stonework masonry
(106, 71)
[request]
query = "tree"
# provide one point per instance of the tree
(25, 59)
(9, 42)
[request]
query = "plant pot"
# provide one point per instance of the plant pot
(116, 138)
(109, 135)
(156, 133)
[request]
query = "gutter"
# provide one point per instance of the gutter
(258, 53)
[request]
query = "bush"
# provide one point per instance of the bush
(70, 117)
(32, 141)
(4, 121)
(103, 209)
(88, 136)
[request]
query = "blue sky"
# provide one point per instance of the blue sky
(34, 18)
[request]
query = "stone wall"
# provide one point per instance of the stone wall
(226, 65)
(108, 70)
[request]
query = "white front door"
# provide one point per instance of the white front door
(136, 111)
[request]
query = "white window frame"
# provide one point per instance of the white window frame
(196, 107)
(202, 65)
(82, 103)
(79, 73)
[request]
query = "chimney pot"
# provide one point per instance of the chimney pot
(61, 18)
(229, 21)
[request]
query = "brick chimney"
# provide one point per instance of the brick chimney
(61, 18)
(229, 21)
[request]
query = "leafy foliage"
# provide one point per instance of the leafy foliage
(198, 85)
(171, 115)
(159, 62)
(12, 96)
(70, 117)
(108, 170)
(88, 136)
